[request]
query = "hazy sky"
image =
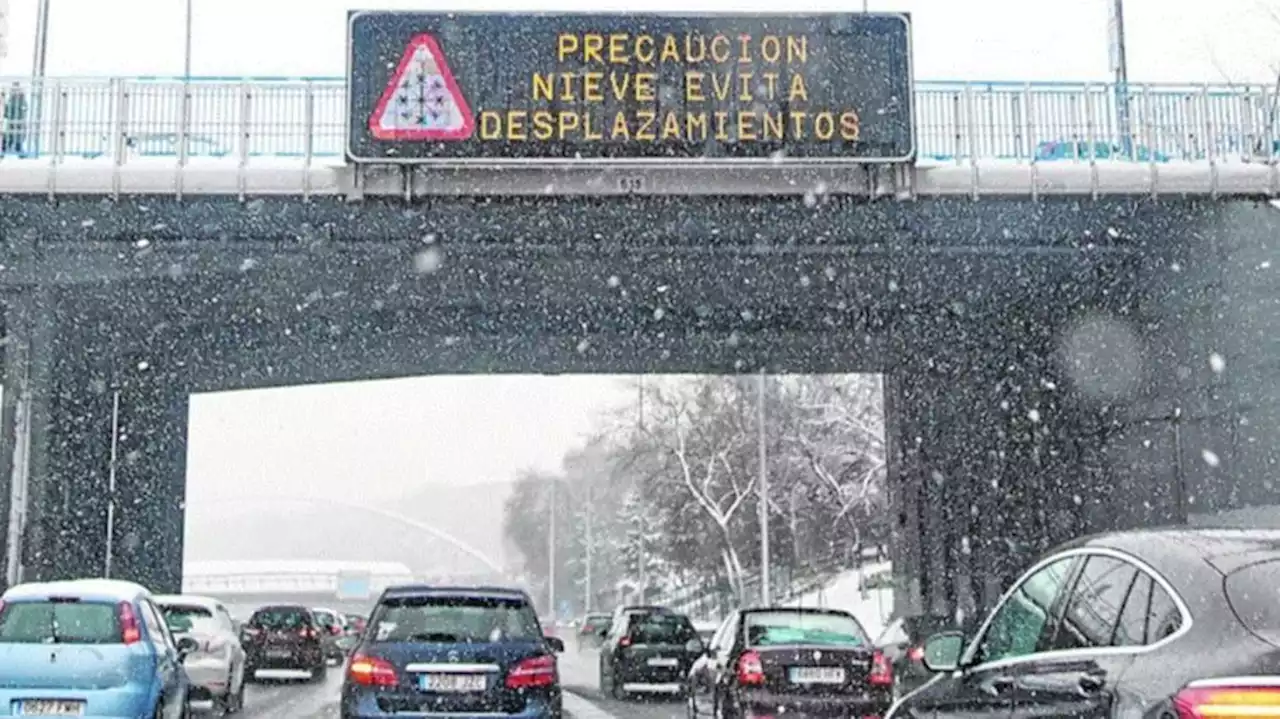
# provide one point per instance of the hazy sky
(384, 437)
(377, 439)
(1169, 40)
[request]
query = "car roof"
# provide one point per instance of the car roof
(194, 600)
(99, 589)
(760, 609)
(478, 592)
(638, 608)
(1191, 559)
(279, 607)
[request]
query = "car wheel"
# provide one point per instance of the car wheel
(233, 703)
(615, 688)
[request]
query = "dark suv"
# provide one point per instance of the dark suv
(648, 651)
(284, 636)
(453, 651)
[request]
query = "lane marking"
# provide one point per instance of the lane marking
(580, 708)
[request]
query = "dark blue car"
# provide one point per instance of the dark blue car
(457, 651)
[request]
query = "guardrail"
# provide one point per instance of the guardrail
(711, 602)
(305, 119)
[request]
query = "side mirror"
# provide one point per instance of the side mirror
(942, 651)
(556, 644)
(187, 645)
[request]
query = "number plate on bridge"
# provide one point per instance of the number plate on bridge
(817, 675)
(452, 682)
(51, 708)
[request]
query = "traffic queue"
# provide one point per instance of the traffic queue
(110, 648)
(1175, 623)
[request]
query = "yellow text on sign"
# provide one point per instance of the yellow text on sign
(655, 126)
(688, 49)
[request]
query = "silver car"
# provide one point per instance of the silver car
(216, 667)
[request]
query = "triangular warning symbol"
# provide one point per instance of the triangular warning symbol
(422, 101)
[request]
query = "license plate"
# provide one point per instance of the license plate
(817, 675)
(278, 653)
(51, 708)
(663, 662)
(453, 682)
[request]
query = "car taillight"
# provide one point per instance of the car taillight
(750, 668)
(372, 671)
(308, 633)
(129, 631)
(251, 633)
(1219, 700)
(624, 642)
(881, 674)
(915, 654)
(533, 672)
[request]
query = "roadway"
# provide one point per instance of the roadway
(303, 700)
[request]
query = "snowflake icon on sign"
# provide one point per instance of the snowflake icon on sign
(422, 101)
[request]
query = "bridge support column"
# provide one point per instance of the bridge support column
(988, 456)
(151, 477)
(97, 504)
(27, 348)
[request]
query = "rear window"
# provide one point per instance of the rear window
(1254, 594)
(59, 623)
(279, 618)
(662, 629)
(772, 628)
(454, 620)
(183, 618)
(326, 618)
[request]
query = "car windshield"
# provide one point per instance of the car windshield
(454, 620)
(183, 618)
(776, 628)
(59, 623)
(279, 618)
(662, 629)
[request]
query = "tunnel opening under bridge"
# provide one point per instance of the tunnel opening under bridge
(1026, 346)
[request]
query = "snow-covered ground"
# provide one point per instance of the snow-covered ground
(872, 607)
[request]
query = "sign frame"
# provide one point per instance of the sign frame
(352, 123)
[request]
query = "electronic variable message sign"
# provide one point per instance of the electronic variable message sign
(458, 88)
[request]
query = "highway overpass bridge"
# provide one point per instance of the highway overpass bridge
(1074, 305)
(345, 586)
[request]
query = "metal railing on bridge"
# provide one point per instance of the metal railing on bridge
(305, 119)
(253, 583)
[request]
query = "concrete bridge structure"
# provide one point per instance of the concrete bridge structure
(1076, 319)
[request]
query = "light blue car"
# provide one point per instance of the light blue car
(89, 648)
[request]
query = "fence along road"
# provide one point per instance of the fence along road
(305, 119)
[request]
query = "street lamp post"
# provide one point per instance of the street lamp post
(1120, 69)
(764, 490)
(551, 552)
(186, 46)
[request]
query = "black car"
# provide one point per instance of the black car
(453, 651)
(1159, 623)
(902, 641)
(648, 651)
(785, 661)
(284, 636)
